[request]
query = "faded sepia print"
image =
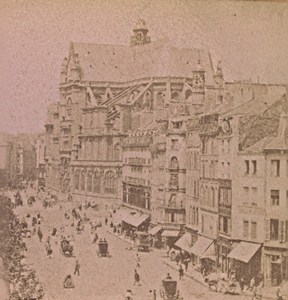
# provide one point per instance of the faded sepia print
(143, 150)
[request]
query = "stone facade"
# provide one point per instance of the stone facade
(156, 129)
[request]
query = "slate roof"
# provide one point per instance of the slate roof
(117, 63)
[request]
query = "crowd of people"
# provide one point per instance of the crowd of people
(23, 282)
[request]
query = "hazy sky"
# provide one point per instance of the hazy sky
(251, 39)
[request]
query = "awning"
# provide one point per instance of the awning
(120, 214)
(136, 219)
(185, 242)
(155, 230)
(170, 233)
(244, 251)
(209, 253)
(201, 245)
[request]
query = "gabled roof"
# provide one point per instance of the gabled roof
(117, 63)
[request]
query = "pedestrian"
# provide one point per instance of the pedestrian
(154, 295)
(136, 278)
(279, 295)
(106, 221)
(181, 272)
(242, 284)
(128, 295)
(186, 262)
(40, 234)
(77, 268)
(252, 283)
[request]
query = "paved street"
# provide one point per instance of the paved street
(100, 278)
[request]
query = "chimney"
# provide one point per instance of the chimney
(283, 127)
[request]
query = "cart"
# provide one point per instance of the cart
(143, 241)
(67, 248)
(103, 248)
(169, 290)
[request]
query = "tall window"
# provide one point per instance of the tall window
(254, 196)
(82, 180)
(77, 179)
(245, 229)
(246, 195)
(174, 144)
(89, 181)
(174, 164)
(253, 230)
(275, 197)
(117, 152)
(274, 229)
(254, 167)
(69, 107)
(247, 167)
(96, 182)
(110, 182)
(275, 168)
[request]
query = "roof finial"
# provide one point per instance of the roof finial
(140, 36)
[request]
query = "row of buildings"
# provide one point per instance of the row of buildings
(18, 159)
(198, 162)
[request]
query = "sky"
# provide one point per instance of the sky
(249, 37)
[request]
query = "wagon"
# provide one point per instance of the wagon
(169, 290)
(103, 248)
(143, 241)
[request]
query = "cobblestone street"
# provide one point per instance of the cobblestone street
(100, 278)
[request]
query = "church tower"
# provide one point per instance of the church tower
(140, 36)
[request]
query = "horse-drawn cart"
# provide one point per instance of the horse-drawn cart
(67, 248)
(103, 248)
(169, 291)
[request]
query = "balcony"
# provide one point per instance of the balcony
(135, 181)
(137, 161)
(137, 141)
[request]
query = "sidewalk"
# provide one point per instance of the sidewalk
(268, 292)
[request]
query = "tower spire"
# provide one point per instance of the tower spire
(140, 36)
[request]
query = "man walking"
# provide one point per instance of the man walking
(40, 234)
(77, 268)
(136, 278)
(181, 272)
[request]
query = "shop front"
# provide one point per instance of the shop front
(184, 242)
(203, 254)
(245, 260)
(224, 247)
(155, 233)
(169, 237)
(275, 265)
(135, 222)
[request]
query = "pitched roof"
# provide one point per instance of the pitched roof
(125, 63)
(254, 106)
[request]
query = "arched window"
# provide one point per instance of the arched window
(96, 182)
(172, 201)
(110, 182)
(174, 164)
(76, 179)
(82, 180)
(117, 152)
(89, 181)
